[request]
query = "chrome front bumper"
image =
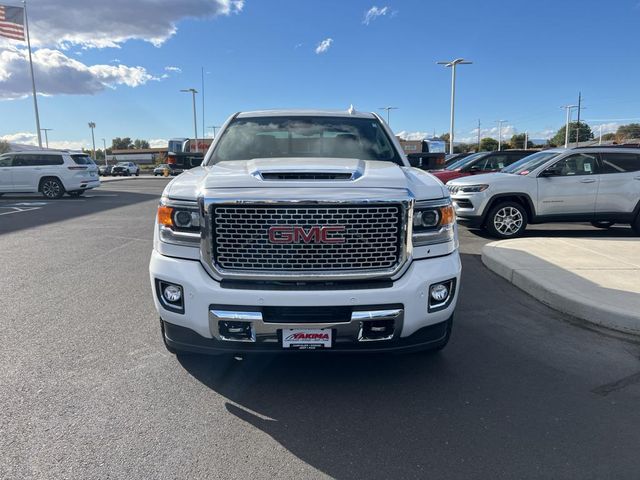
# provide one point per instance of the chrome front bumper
(265, 333)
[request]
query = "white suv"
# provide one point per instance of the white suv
(600, 185)
(50, 172)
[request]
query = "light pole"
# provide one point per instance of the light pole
(46, 136)
(500, 122)
(193, 92)
(214, 128)
(453, 64)
(388, 109)
(92, 126)
(526, 140)
(104, 144)
(566, 128)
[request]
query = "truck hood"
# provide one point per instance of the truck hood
(304, 174)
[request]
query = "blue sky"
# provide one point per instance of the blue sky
(529, 58)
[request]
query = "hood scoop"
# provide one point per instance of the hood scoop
(307, 176)
(307, 169)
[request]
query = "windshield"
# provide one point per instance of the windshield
(464, 161)
(529, 163)
(333, 137)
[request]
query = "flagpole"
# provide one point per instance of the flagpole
(33, 80)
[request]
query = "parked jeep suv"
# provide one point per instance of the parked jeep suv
(305, 230)
(50, 172)
(600, 185)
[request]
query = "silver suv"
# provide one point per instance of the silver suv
(600, 185)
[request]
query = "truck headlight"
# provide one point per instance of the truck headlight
(179, 222)
(433, 222)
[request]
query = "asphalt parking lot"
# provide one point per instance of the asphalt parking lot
(88, 390)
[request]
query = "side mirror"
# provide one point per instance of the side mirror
(551, 172)
(415, 162)
(475, 169)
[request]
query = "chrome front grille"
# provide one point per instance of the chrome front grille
(373, 238)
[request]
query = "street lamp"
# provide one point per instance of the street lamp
(104, 144)
(92, 126)
(193, 92)
(500, 122)
(388, 109)
(46, 136)
(453, 64)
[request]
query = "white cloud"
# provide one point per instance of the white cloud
(158, 142)
(373, 13)
(413, 135)
(27, 138)
(58, 74)
(324, 45)
(493, 132)
(109, 24)
(173, 69)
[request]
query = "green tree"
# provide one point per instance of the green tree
(121, 143)
(585, 134)
(4, 146)
(517, 141)
(626, 132)
(609, 136)
(140, 144)
(488, 144)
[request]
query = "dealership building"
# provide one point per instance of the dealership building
(141, 156)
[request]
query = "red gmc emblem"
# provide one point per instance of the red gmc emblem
(284, 234)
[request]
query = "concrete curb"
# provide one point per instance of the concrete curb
(584, 300)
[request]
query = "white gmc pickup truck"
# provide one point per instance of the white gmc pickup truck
(305, 230)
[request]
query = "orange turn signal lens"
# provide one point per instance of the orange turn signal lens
(165, 216)
(447, 215)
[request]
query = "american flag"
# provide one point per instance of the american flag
(12, 22)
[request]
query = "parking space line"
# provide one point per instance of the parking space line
(19, 210)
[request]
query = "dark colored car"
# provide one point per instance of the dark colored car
(481, 162)
(105, 170)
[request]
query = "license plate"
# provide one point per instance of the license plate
(306, 338)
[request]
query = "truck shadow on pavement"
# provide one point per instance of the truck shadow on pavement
(495, 403)
(18, 212)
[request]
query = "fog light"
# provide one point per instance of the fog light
(439, 293)
(172, 293)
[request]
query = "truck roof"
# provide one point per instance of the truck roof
(352, 113)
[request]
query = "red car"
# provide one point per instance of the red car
(481, 162)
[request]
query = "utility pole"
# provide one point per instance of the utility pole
(92, 126)
(452, 64)
(214, 128)
(478, 134)
(193, 92)
(203, 130)
(566, 128)
(46, 136)
(500, 122)
(578, 128)
(388, 109)
(526, 140)
(104, 144)
(600, 136)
